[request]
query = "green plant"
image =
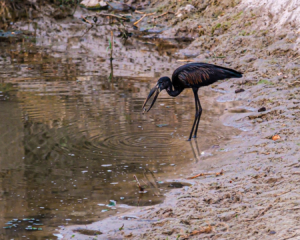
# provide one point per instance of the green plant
(264, 81)
(237, 16)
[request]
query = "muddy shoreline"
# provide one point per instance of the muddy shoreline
(132, 218)
(257, 196)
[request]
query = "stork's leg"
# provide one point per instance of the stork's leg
(199, 115)
(195, 90)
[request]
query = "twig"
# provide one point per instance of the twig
(279, 194)
(290, 237)
(207, 229)
(265, 210)
(121, 228)
(294, 59)
(164, 14)
(87, 21)
(207, 174)
(155, 180)
(145, 15)
(293, 82)
(156, 187)
(149, 182)
(112, 45)
(140, 12)
(75, 8)
(138, 184)
(295, 208)
(224, 224)
(88, 30)
(261, 213)
(111, 15)
(140, 19)
(185, 60)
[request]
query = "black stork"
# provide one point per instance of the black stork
(192, 75)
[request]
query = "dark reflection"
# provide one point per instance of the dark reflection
(111, 75)
(196, 154)
(71, 139)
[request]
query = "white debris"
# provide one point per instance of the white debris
(59, 236)
(93, 3)
(187, 9)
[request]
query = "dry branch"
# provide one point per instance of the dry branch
(145, 15)
(140, 12)
(87, 21)
(224, 224)
(185, 60)
(207, 174)
(207, 229)
(279, 194)
(165, 13)
(293, 83)
(290, 236)
(260, 213)
(112, 15)
(138, 184)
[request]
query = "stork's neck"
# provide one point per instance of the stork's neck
(175, 92)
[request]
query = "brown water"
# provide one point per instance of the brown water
(72, 135)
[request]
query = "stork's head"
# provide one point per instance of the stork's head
(162, 83)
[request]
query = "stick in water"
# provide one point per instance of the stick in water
(138, 184)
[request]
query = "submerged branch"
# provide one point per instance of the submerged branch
(138, 184)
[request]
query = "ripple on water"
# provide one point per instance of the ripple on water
(134, 144)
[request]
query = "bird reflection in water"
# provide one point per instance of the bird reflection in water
(197, 157)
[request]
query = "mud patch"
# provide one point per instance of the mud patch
(87, 232)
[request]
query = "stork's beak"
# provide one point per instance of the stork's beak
(152, 91)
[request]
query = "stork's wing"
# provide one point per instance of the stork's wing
(197, 74)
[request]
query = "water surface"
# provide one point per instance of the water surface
(72, 134)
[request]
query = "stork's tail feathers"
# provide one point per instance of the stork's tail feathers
(232, 73)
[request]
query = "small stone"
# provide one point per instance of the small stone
(272, 232)
(227, 216)
(262, 109)
(239, 90)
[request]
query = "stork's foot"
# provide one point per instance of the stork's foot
(189, 140)
(195, 136)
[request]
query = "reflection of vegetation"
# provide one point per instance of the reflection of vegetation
(111, 75)
(6, 87)
(13, 10)
(67, 2)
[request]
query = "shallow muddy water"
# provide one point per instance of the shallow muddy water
(72, 134)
